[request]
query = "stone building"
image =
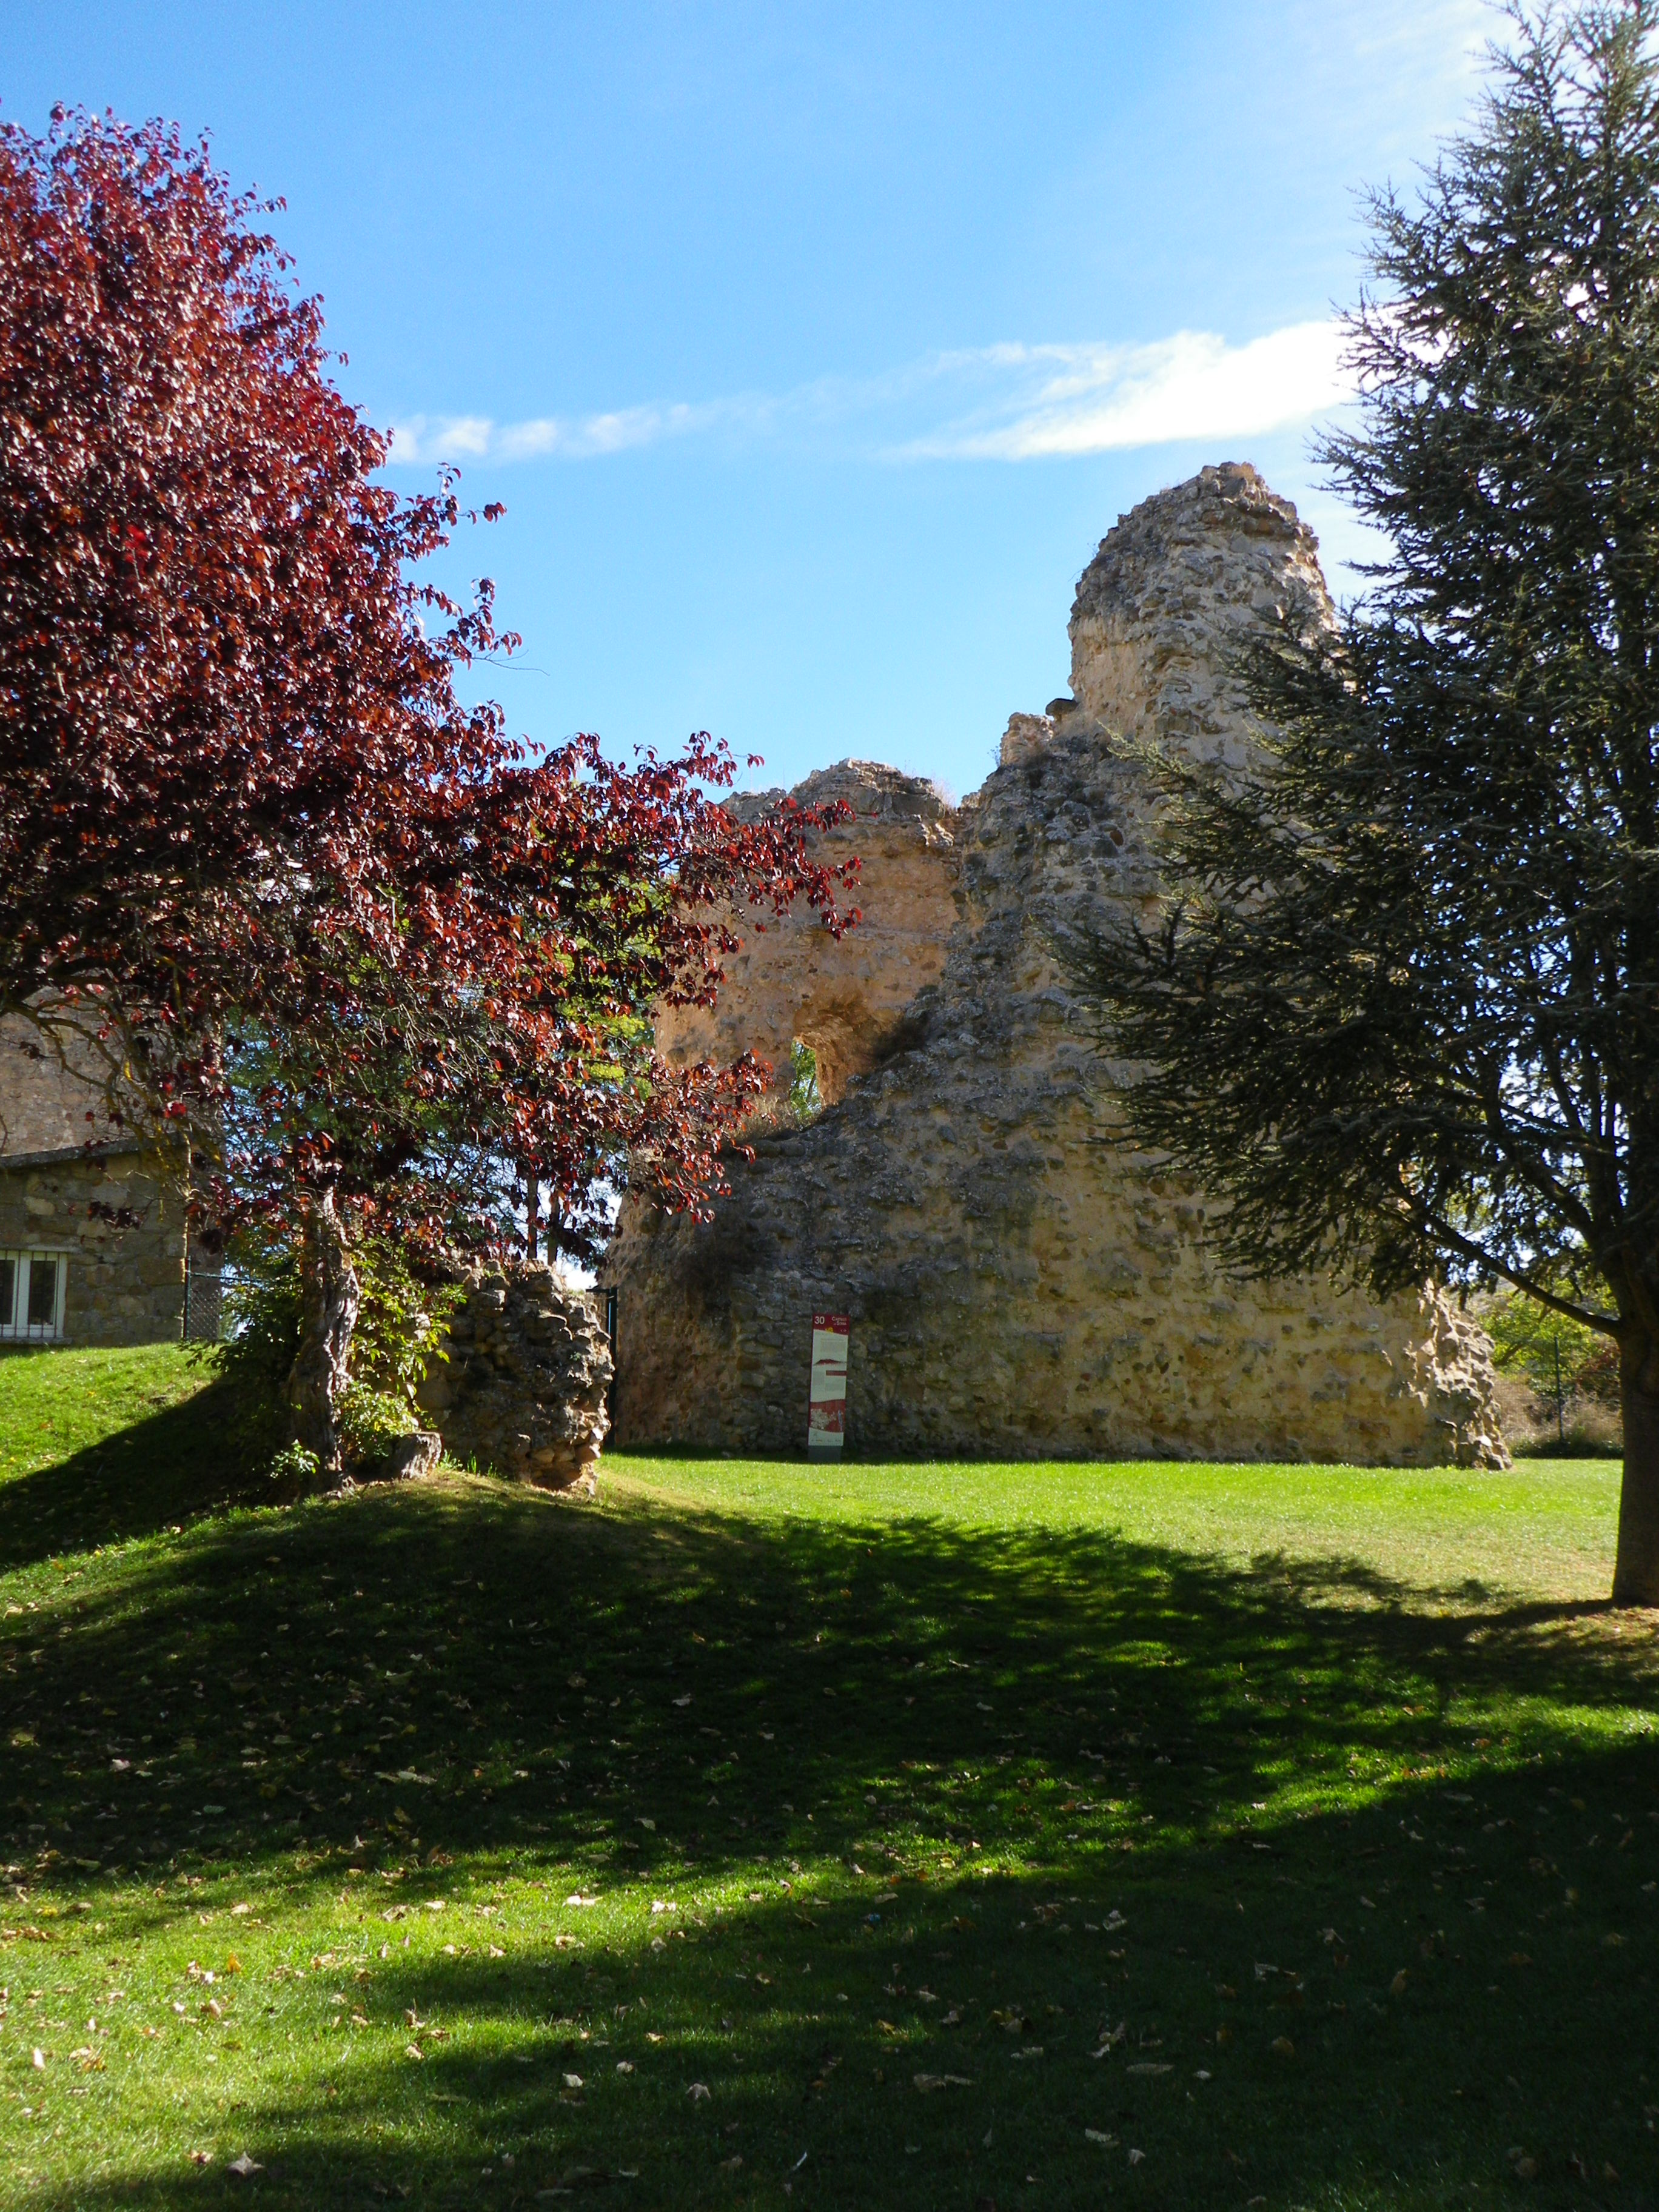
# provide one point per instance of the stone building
(1022, 1280)
(93, 1246)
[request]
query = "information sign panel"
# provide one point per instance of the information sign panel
(826, 1404)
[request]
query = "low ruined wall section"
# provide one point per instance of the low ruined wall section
(522, 1381)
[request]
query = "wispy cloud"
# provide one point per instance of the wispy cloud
(1005, 403)
(1097, 399)
(569, 438)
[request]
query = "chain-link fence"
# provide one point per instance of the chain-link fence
(205, 1305)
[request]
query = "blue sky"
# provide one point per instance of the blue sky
(813, 349)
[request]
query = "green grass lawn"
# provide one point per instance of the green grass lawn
(775, 1836)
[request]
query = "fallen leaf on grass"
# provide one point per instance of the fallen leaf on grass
(1151, 2066)
(1284, 2047)
(1094, 2135)
(926, 2082)
(243, 2166)
(697, 2092)
(1136, 2156)
(1397, 1986)
(585, 2176)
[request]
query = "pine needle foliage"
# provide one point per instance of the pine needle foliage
(1399, 1008)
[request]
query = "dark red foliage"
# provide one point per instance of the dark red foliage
(243, 814)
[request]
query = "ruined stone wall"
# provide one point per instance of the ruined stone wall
(1022, 1280)
(847, 1000)
(521, 1380)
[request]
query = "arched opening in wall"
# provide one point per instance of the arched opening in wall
(844, 1036)
(805, 1097)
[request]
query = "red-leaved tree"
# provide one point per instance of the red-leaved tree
(326, 921)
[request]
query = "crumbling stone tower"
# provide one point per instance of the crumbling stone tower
(1022, 1280)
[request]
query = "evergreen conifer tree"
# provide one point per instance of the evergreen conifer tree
(1400, 1009)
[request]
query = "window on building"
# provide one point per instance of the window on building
(32, 1288)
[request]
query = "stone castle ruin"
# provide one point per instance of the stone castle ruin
(1022, 1278)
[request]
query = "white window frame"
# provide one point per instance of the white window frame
(14, 1327)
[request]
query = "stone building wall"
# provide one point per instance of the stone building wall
(75, 1185)
(118, 1222)
(1022, 1280)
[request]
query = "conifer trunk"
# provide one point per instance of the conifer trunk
(329, 1297)
(1636, 1572)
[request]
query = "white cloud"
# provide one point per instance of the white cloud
(1098, 399)
(573, 438)
(1009, 401)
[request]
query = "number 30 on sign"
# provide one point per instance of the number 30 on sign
(826, 1404)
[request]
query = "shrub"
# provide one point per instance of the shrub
(398, 1328)
(371, 1421)
(293, 1471)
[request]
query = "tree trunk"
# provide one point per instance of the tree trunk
(1636, 1573)
(329, 1299)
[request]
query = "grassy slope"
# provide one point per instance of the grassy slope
(1047, 1750)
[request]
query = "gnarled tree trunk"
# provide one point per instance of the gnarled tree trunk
(1636, 1572)
(329, 1299)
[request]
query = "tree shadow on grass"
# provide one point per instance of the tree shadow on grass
(654, 1702)
(174, 1465)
